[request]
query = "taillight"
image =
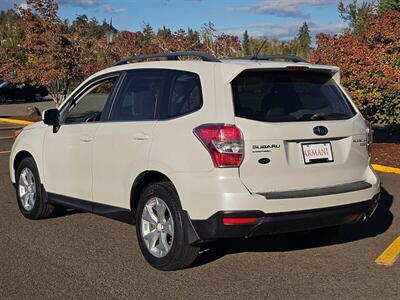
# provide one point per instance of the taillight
(224, 142)
(369, 136)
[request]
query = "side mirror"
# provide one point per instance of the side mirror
(51, 117)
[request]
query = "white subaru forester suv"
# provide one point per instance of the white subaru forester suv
(197, 150)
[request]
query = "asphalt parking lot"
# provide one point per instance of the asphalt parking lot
(80, 255)
(15, 109)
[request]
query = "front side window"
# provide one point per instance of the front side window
(138, 96)
(289, 96)
(89, 107)
(184, 95)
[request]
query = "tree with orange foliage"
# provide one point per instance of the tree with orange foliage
(219, 45)
(370, 64)
(46, 54)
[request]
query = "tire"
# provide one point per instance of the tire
(180, 254)
(315, 236)
(30, 195)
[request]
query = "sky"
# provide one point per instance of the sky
(271, 18)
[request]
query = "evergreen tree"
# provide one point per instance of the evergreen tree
(246, 44)
(385, 5)
(354, 13)
(192, 40)
(303, 41)
(164, 32)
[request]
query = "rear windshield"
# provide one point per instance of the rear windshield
(289, 96)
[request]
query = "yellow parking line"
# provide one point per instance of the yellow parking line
(386, 169)
(5, 152)
(391, 253)
(15, 121)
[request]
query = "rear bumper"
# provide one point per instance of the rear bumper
(203, 194)
(214, 228)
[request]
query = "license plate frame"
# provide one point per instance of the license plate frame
(326, 158)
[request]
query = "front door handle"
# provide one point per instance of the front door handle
(86, 138)
(140, 137)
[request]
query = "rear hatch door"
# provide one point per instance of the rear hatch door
(300, 131)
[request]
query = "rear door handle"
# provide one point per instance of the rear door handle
(140, 137)
(86, 138)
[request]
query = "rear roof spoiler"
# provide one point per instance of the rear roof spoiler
(330, 70)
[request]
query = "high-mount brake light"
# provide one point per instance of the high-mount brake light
(224, 143)
(296, 68)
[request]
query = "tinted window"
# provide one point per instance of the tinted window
(89, 107)
(287, 96)
(184, 95)
(138, 96)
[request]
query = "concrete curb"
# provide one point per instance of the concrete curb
(15, 121)
(386, 169)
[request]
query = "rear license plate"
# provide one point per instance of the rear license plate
(317, 152)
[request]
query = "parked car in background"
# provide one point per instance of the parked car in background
(196, 151)
(9, 91)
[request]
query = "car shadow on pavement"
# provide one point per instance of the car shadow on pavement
(376, 225)
(61, 211)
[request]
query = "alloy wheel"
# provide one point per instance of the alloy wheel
(157, 227)
(27, 189)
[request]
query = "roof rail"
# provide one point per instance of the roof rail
(288, 57)
(169, 56)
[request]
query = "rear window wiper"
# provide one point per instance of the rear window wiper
(329, 116)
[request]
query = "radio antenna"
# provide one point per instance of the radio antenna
(259, 50)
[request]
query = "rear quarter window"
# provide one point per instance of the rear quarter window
(289, 96)
(183, 96)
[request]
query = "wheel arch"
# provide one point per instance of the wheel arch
(19, 157)
(143, 180)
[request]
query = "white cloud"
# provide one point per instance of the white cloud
(284, 8)
(112, 10)
(81, 3)
(23, 6)
(92, 4)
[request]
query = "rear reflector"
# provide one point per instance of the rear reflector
(369, 131)
(239, 221)
(17, 133)
(224, 142)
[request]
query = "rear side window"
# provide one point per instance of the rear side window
(183, 96)
(288, 96)
(138, 96)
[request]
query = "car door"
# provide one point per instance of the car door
(122, 145)
(68, 152)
